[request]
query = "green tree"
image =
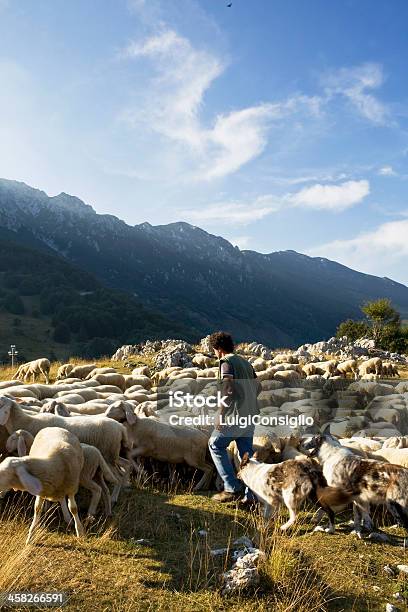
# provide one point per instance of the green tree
(352, 329)
(14, 304)
(381, 316)
(62, 333)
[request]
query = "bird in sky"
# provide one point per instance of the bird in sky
(229, 5)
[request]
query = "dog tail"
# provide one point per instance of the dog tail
(332, 497)
(398, 512)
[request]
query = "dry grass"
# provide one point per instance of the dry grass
(174, 570)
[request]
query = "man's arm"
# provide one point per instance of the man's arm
(227, 390)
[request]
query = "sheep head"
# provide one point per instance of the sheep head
(5, 408)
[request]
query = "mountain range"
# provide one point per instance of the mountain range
(195, 279)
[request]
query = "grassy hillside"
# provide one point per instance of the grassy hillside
(50, 308)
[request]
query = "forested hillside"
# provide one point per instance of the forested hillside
(50, 307)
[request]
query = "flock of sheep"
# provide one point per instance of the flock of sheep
(94, 426)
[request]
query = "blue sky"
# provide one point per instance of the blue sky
(279, 124)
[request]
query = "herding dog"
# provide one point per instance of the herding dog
(290, 482)
(369, 481)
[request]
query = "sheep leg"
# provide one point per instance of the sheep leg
(39, 502)
(106, 496)
(73, 508)
(115, 493)
(206, 478)
(65, 511)
(96, 491)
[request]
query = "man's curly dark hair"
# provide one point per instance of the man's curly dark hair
(222, 340)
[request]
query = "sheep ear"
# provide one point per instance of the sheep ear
(21, 447)
(29, 482)
(130, 415)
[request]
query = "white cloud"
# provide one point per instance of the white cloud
(175, 99)
(387, 171)
(376, 252)
(242, 242)
(232, 213)
(355, 84)
(332, 197)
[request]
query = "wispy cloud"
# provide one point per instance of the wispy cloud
(242, 242)
(332, 197)
(376, 252)
(175, 100)
(356, 85)
(387, 171)
(233, 213)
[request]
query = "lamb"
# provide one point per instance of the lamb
(371, 366)
(64, 371)
(170, 443)
(348, 366)
(95, 467)
(51, 471)
(107, 435)
(34, 368)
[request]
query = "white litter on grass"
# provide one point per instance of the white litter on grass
(244, 573)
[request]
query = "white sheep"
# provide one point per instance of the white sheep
(109, 436)
(389, 369)
(64, 370)
(93, 474)
(82, 371)
(95, 371)
(371, 366)
(34, 369)
(202, 361)
(170, 443)
(111, 379)
(51, 471)
(288, 376)
(396, 442)
(350, 366)
(397, 456)
(141, 371)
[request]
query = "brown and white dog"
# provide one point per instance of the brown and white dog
(291, 482)
(369, 481)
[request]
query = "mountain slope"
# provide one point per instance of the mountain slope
(193, 277)
(49, 306)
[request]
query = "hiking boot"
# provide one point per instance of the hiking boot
(227, 496)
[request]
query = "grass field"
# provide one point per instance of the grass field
(174, 570)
